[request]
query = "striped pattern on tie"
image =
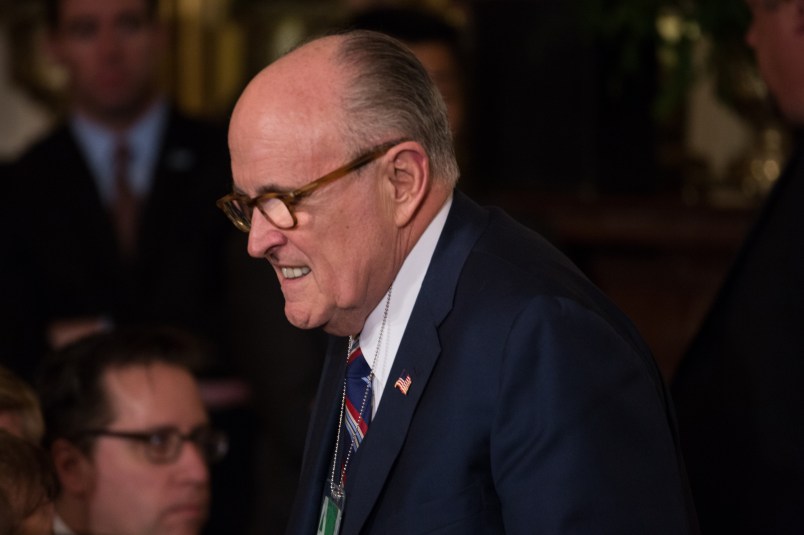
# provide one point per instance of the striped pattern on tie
(358, 394)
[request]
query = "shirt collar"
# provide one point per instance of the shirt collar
(405, 291)
(60, 527)
(143, 138)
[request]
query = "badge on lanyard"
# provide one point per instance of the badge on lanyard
(329, 522)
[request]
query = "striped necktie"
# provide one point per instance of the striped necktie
(358, 397)
(126, 204)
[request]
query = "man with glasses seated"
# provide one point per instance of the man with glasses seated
(128, 434)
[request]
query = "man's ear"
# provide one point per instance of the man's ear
(74, 468)
(409, 179)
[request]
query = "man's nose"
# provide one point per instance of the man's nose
(109, 43)
(193, 465)
(263, 236)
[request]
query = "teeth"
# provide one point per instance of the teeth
(295, 273)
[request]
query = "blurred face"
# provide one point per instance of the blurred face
(131, 495)
(110, 49)
(337, 263)
(777, 36)
(442, 66)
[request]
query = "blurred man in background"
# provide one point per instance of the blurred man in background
(434, 41)
(739, 388)
(129, 434)
(111, 218)
(123, 231)
(439, 45)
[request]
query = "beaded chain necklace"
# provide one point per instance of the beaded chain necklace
(337, 489)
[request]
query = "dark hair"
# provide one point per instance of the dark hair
(27, 480)
(18, 397)
(70, 381)
(53, 11)
(390, 92)
(6, 515)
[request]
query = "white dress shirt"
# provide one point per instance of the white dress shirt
(143, 139)
(404, 292)
(59, 527)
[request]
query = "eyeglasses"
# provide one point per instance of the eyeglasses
(163, 445)
(278, 207)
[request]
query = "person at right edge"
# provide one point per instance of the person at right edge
(499, 390)
(739, 390)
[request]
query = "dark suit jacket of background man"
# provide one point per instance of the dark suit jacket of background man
(740, 388)
(534, 406)
(65, 251)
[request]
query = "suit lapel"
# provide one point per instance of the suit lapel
(371, 466)
(320, 441)
(416, 357)
(91, 223)
(171, 180)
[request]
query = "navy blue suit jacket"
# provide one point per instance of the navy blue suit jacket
(534, 406)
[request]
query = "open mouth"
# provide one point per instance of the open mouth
(295, 272)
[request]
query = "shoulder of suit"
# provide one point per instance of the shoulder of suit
(59, 139)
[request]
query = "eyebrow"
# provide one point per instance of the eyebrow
(271, 188)
(262, 190)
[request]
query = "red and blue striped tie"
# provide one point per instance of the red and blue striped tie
(358, 396)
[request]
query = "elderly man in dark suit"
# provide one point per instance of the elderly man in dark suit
(476, 382)
(739, 388)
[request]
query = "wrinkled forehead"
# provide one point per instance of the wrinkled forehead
(293, 103)
(150, 393)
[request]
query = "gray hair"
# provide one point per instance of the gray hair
(390, 91)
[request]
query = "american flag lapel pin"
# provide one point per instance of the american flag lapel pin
(403, 383)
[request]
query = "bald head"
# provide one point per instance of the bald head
(294, 98)
(343, 145)
(362, 85)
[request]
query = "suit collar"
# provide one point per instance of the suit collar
(60, 527)
(143, 139)
(416, 358)
(406, 288)
(318, 448)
